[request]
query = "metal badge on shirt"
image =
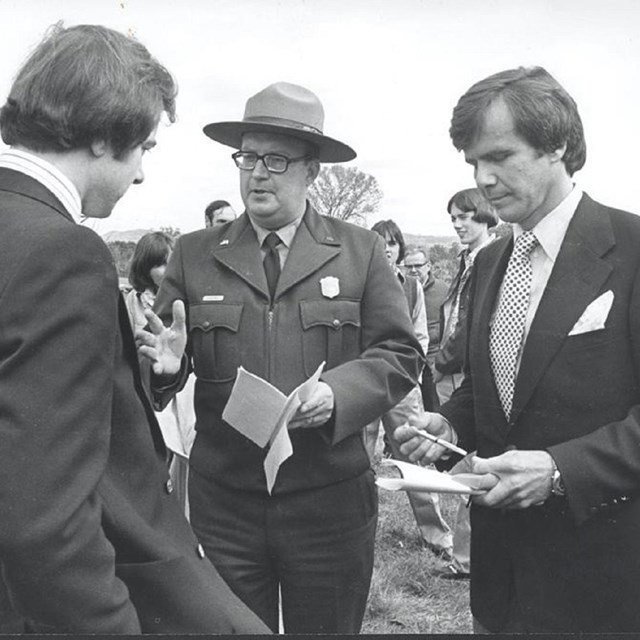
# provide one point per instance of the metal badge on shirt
(330, 286)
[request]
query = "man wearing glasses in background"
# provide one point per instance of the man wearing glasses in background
(416, 263)
(279, 291)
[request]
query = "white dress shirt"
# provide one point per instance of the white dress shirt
(550, 233)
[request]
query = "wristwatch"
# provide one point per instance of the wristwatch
(557, 485)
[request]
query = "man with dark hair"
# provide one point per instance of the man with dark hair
(472, 216)
(91, 541)
(279, 291)
(551, 394)
(218, 212)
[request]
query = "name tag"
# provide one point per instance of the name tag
(212, 298)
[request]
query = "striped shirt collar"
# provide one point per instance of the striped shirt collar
(47, 175)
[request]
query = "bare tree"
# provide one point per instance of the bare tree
(345, 193)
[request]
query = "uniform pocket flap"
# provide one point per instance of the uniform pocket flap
(211, 316)
(330, 313)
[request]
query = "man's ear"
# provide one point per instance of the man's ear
(558, 154)
(313, 169)
(99, 148)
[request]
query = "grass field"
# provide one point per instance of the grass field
(407, 596)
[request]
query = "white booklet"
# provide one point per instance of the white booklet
(261, 412)
(415, 478)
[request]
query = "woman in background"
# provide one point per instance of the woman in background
(145, 274)
(426, 506)
(177, 420)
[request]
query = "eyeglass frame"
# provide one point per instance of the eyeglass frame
(262, 157)
(411, 267)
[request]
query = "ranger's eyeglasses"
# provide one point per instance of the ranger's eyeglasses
(274, 162)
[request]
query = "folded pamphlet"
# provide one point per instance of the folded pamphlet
(262, 413)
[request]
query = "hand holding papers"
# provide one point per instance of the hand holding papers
(415, 478)
(261, 413)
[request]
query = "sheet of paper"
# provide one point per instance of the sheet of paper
(280, 445)
(254, 407)
(415, 478)
(279, 451)
(262, 413)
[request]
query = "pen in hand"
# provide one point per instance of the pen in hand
(442, 443)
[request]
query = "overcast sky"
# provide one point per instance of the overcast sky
(388, 73)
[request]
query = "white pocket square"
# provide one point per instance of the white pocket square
(595, 315)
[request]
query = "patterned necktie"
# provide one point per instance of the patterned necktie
(507, 330)
(463, 275)
(271, 262)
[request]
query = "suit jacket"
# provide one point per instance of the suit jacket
(91, 541)
(361, 328)
(573, 562)
(450, 357)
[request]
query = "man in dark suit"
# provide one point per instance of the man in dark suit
(551, 396)
(472, 216)
(279, 291)
(91, 541)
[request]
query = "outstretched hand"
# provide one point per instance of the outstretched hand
(164, 346)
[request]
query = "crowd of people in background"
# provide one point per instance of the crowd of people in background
(130, 504)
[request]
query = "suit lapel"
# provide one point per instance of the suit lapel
(575, 281)
(313, 246)
(238, 250)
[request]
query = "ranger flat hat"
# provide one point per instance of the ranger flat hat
(287, 109)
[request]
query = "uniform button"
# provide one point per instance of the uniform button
(336, 323)
(168, 487)
(200, 552)
(206, 324)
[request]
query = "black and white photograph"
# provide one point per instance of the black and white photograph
(319, 317)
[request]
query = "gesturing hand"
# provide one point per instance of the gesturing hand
(164, 346)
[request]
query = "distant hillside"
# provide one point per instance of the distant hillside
(132, 235)
(411, 238)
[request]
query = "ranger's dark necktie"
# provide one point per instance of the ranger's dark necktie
(272, 262)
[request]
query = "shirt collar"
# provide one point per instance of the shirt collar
(286, 233)
(469, 256)
(47, 175)
(550, 231)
